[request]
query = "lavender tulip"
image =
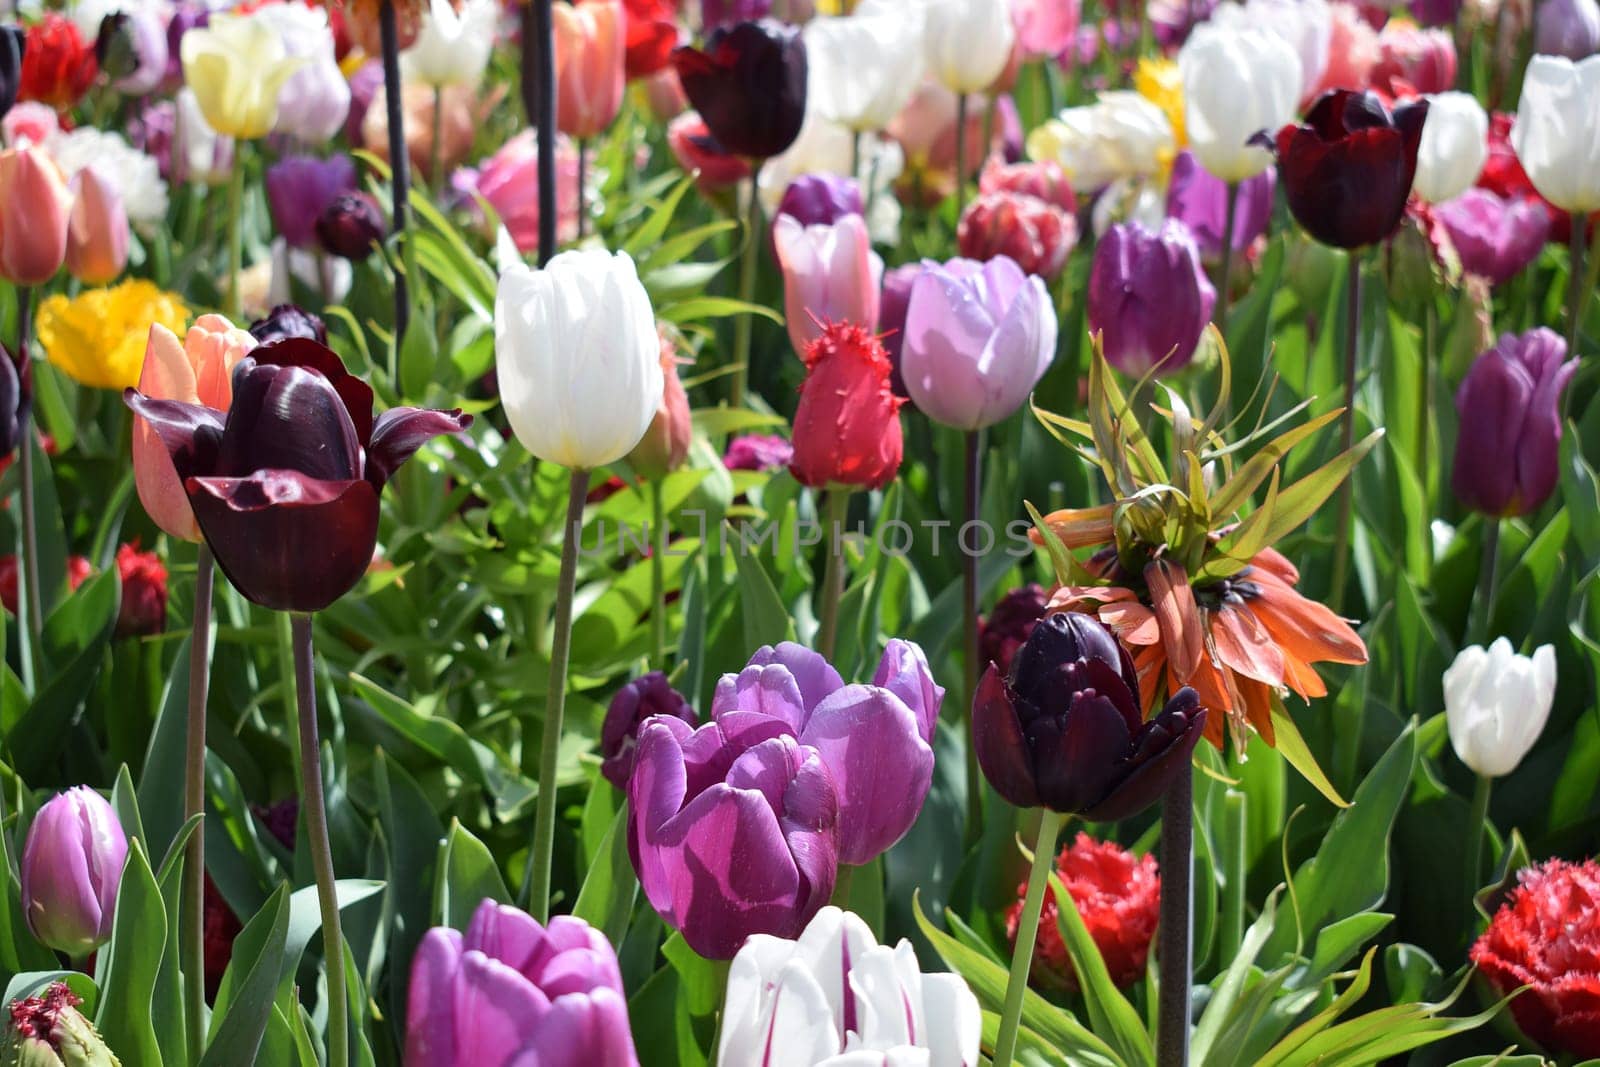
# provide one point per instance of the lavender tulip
(1149, 298)
(873, 739)
(71, 868)
(512, 992)
(1495, 238)
(978, 339)
(821, 199)
(1199, 199)
(1506, 460)
(647, 695)
(732, 829)
(892, 307)
(1568, 28)
(300, 188)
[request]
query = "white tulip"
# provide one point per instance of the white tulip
(1121, 135)
(199, 153)
(313, 103)
(786, 1004)
(452, 47)
(1557, 132)
(968, 42)
(863, 68)
(578, 358)
(1496, 704)
(1454, 148)
(1236, 83)
(1307, 26)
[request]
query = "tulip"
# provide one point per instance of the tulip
(1305, 25)
(749, 85)
(236, 66)
(351, 226)
(578, 357)
(1557, 131)
(714, 167)
(1045, 28)
(1045, 181)
(847, 424)
(13, 40)
(133, 174)
(35, 208)
(198, 152)
(978, 338)
(58, 65)
(71, 868)
(288, 320)
(826, 147)
(820, 199)
(452, 47)
(1494, 238)
(758, 452)
(47, 1030)
(1199, 200)
(1496, 703)
(16, 401)
(893, 304)
(648, 695)
(864, 68)
(132, 50)
(1568, 28)
(285, 484)
(97, 230)
(1036, 235)
(506, 180)
(1007, 627)
(664, 93)
(1507, 454)
(142, 612)
(1454, 147)
(665, 444)
(1236, 83)
(652, 36)
(299, 190)
(1063, 729)
(863, 1003)
(1348, 168)
(314, 103)
(1149, 297)
(967, 42)
(1353, 50)
(513, 991)
(732, 829)
(830, 274)
(1121, 135)
(589, 65)
(714, 13)
(1414, 60)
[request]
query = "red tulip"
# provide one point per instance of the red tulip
(58, 65)
(143, 611)
(652, 34)
(1038, 235)
(847, 425)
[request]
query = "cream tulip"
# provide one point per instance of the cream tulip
(578, 357)
(1236, 83)
(967, 42)
(1557, 132)
(1454, 148)
(863, 68)
(236, 65)
(452, 47)
(1496, 703)
(1121, 135)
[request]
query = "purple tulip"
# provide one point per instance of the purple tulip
(131, 49)
(511, 993)
(714, 13)
(289, 320)
(821, 199)
(71, 868)
(979, 336)
(187, 17)
(873, 739)
(733, 829)
(1149, 298)
(1509, 405)
(1494, 238)
(1568, 28)
(758, 452)
(300, 188)
(1199, 199)
(1435, 12)
(892, 306)
(647, 695)
(365, 85)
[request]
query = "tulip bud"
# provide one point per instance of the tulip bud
(664, 93)
(749, 85)
(1454, 147)
(665, 444)
(1064, 729)
(143, 611)
(1149, 297)
(758, 452)
(299, 190)
(1007, 627)
(1568, 28)
(830, 274)
(289, 320)
(1557, 131)
(71, 867)
(13, 40)
(1496, 704)
(647, 695)
(35, 207)
(847, 424)
(1494, 238)
(97, 230)
(351, 226)
(1415, 269)
(47, 1030)
(1035, 235)
(1507, 453)
(78, 569)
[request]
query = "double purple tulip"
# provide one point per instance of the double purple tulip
(285, 484)
(1149, 297)
(512, 993)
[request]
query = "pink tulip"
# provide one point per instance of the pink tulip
(1414, 61)
(97, 231)
(34, 207)
(830, 274)
(1044, 27)
(1352, 50)
(508, 180)
(589, 69)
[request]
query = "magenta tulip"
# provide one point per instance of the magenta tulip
(71, 868)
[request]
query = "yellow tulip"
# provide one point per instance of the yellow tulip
(1159, 82)
(98, 337)
(236, 65)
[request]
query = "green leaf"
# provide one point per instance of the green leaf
(468, 875)
(131, 961)
(1292, 747)
(161, 780)
(1110, 1013)
(715, 307)
(702, 982)
(606, 899)
(250, 985)
(766, 619)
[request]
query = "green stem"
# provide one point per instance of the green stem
(285, 640)
(1347, 422)
(1488, 581)
(1044, 854)
(544, 822)
(841, 886)
(658, 577)
(192, 927)
(1234, 866)
(33, 597)
(1176, 932)
(583, 170)
(742, 322)
(1477, 826)
(961, 155)
(832, 574)
(1576, 292)
(973, 451)
(316, 816)
(1424, 428)
(1225, 274)
(436, 145)
(235, 237)
(855, 154)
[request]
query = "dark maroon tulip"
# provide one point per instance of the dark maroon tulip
(749, 85)
(351, 226)
(285, 484)
(1348, 169)
(289, 320)
(1007, 627)
(13, 41)
(649, 694)
(1064, 730)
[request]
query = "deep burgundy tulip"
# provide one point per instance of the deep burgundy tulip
(351, 226)
(1348, 169)
(1508, 451)
(289, 320)
(1063, 730)
(285, 485)
(649, 694)
(13, 41)
(821, 199)
(1007, 627)
(1199, 199)
(749, 85)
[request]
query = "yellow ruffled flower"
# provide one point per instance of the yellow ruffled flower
(1159, 82)
(98, 337)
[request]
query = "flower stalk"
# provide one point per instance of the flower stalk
(658, 577)
(399, 164)
(973, 447)
(838, 500)
(1044, 854)
(1347, 423)
(743, 324)
(32, 596)
(1177, 919)
(192, 929)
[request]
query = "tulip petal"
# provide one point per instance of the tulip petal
(430, 999)
(399, 432)
(997, 739)
(904, 671)
(1169, 739)
(812, 673)
(768, 690)
(1075, 763)
(954, 1021)
(499, 1011)
(191, 434)
(287, 418)
(303, 352)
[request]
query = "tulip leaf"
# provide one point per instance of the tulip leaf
(411, 834)
(1292, 747)
(714, 307)
(610, 888)
(160, 792)
(249, 986)
(74, 639)
(31, 983)
(467, 876)
(1110, 1013)
(130, 963)
(766, 619)
(655, 226)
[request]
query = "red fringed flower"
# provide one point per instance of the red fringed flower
(143, 612)
(1547, 937)
(58, 65)
(847, 425)
(1119, 896)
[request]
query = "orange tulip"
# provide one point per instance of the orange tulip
(34, 206)
(589, 69)
(199, 370)
(97, 232)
